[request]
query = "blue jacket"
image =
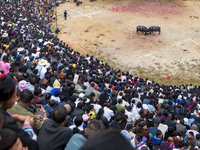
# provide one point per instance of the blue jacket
(76, 141)
(156, 140)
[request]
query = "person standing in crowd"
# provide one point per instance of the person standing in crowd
(65, 15)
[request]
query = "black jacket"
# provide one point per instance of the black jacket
(76, 112)
(115, 125)
(53, 136)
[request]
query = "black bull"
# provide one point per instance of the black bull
(153, 29)
(149, 30)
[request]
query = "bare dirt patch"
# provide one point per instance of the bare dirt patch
(108, 31)
(149, 8)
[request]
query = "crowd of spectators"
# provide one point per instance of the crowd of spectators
(54, 98)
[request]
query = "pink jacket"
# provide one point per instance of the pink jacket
(5, 67)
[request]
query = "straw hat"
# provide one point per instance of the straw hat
(42, 62)
(40, 40)
(5, 35)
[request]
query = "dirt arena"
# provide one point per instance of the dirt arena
(107, 30)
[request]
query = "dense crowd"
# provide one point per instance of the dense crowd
(52, 97)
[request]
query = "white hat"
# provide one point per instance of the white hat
(87, 101)
(81, 95)
(145, 106)
(40, 40)
(5, 35)
(179, 97)
(42, 62)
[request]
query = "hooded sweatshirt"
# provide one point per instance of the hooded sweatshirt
(53, 136)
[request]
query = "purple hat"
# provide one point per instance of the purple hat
(22, 85)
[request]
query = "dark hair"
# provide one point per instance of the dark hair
(7, 88)
(92, 84)
(151, 116)
(80, 105)
(63, 98)
(139, 105)
(100, 112)
(198, 136)
(37, 91)
(138, 137)
(5, 58)
(158, 133)
(191, 133)
(52, 103)
(119, 101)
(2, 118)
(78, 121)
(89, 108)
(57, 93)
(118, 117)
(181, 144)
(59, 114)
(92, 94)
(162, 120)
(26, 96)
(48, 96)
(170, 129)
(8, 138)
(129, 126)
(141, 127)
(107, 140)
(122, 111)
(93, 127)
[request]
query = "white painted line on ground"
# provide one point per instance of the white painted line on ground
(149, 55)
(77, 12)
(194, 41)
(186, 40)
(89, 15)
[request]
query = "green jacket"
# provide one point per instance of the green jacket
(119, 107)
(21, 109)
